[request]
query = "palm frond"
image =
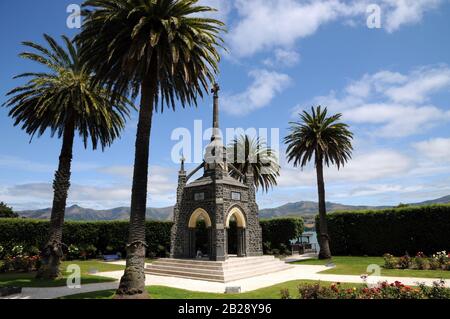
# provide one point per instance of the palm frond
(320, 136)
(66, 92)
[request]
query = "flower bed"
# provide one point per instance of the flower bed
(383, 290)
(20, 261)
(440, 260)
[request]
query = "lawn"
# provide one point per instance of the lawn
(160, 292)
(88, 270)
(358, 265)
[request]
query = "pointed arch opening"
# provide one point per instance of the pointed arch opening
(235, 225)
(200, 234)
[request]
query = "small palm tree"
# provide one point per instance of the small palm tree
(167, 52)
(64, 100)
(252, 155)
(330, 142)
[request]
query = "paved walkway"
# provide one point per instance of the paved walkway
(298, 272)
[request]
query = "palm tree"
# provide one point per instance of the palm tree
(167, 52)
(64, 100)
(329, 141)
(252, 154)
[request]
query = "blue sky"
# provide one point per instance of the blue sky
(392, 85)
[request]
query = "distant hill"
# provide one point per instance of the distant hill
(303, 208)
(442, 200)
(77, 213)
(308, 208)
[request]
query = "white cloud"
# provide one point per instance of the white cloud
(161, 190)
(372, 166)
(287, 58)
(380, 189)
(267, 24)
(396, 120)
(437, 149)
(396, 104)
(406, 12)
(265, 86)
(421, 83)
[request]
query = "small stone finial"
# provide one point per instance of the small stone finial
(215, 89)
(182, 163)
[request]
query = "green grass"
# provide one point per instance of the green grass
(160, 292)
(358, 265)
(88, 268)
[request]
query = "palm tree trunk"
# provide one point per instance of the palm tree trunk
(324, 244)
(52, 252)
(132, 283)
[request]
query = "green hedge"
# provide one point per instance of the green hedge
(278, 232)
(111, 236)
(395, 231)
(106, 236)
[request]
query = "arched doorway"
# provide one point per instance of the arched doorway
(200, 236)
(236, 232)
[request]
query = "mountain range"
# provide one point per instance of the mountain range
(302, 208)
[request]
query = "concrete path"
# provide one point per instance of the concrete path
(298, 272)
(56, 292)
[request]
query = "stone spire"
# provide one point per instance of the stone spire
(216, 133)
(215, 156)
(182, 164)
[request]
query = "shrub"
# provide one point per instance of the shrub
(2, 251)
(439, 260)
(383, 290)
(7, 212)
(404, 262)
(17, 251)
(22, 263)
(397, 230)
(421, 263)
(72, 252)
(390, 262)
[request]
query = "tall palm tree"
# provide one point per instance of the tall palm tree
(167, 52)
(66, 101)
(253, 154)
(330, 142)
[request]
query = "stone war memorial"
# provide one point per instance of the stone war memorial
(216, 252)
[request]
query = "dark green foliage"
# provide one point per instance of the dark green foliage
(7, 212)
(396, 231)
(278, 232)
(111, 236)
(65, 93)
(247, 153)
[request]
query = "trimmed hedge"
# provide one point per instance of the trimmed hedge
(111, 236)
(396, 231)
(106, 236)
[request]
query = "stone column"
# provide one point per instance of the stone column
(176, 234)
(210, 243)
(253, 236)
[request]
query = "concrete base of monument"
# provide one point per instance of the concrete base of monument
(234, 268)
